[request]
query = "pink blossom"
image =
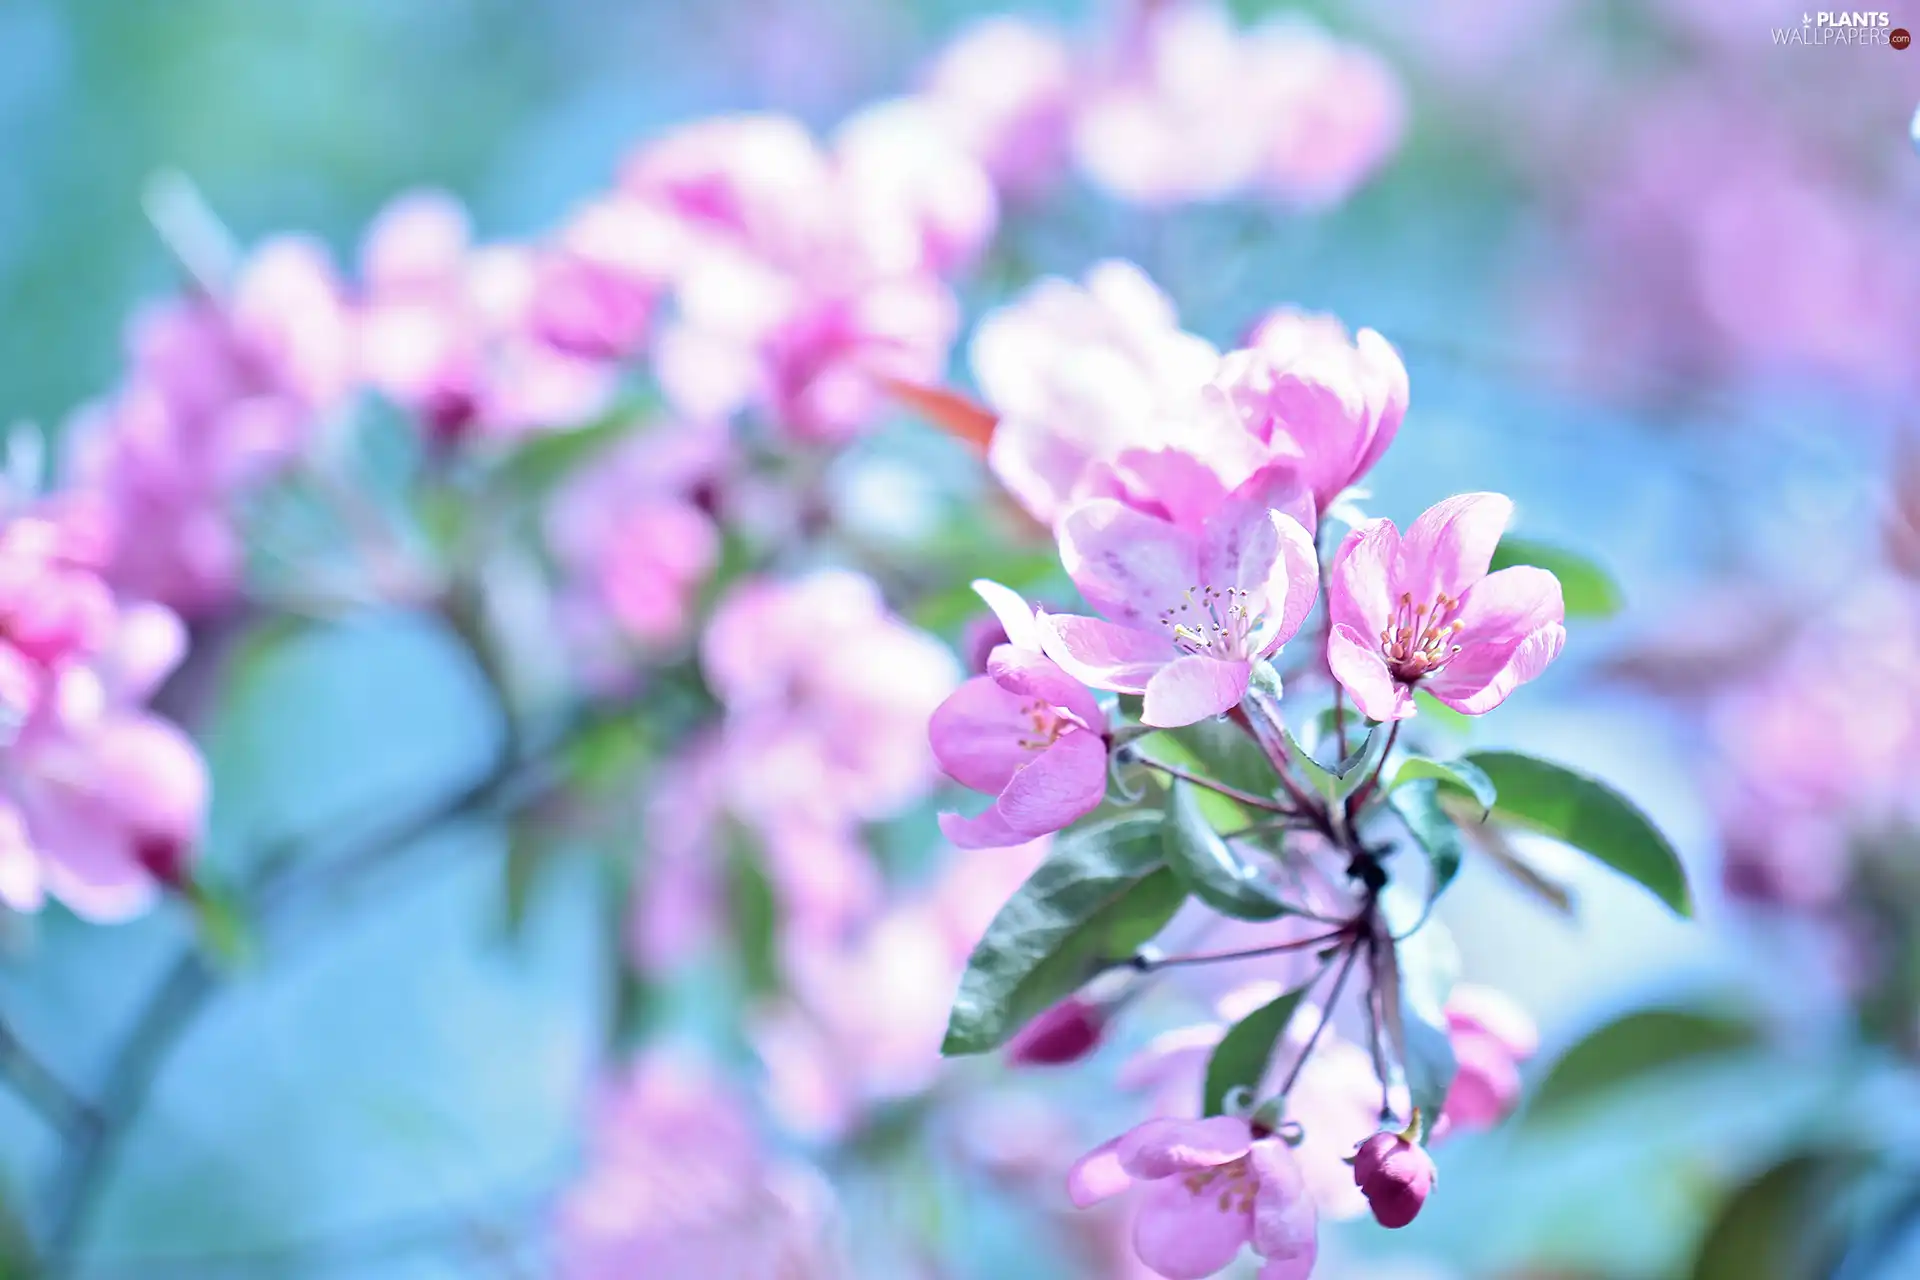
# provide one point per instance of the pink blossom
(1187, 611)
(220, 395)
(1336, 113)
(1004, 89)
(458, 333)
(1213, 1187)
(754, 182)
(1025, 733)
(918, 200)
(633, 540)
(1491, 1036)
(597, 286)
(1172, 118)
(1396, 1175)
(1423, 612)
(1079, 373)
(1328, 405)
(680, 1187)
(100, 801)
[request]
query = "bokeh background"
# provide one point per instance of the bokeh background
(1652, 274)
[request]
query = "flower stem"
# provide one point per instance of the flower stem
(39, 1087)
(1235, 794)
(1326, 1016)
(1151, 965)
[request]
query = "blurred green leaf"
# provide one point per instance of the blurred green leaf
(1208, 867)
(527, 858)
(16, 1246)
(1413, 979)
(1101, 894)
(754, 914)
(220, 921)
(1586, 813)
(1418, 805)
(1589, 590)
(543, 460)
(1224, 752)
(1461, 775)
(1633, 1048)
(1784, 1224)
(607, 754)
(1241, 1058)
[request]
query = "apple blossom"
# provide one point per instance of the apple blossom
(1396, 1175)
(1422, 612)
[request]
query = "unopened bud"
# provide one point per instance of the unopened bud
(164, 858)
(1395, 1175)
(1065, 1033)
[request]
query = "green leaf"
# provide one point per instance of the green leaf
(753, 913)
(1633, 1048)
(1241, 1058)
(1785, 1224)
(1208, 867)
(527, 857)
(545, 459)
(1342, 780)
(16, 1246)
(1413, 979)
(1586, 813)
(1418, 805)
(1462, 775)
(221, 922)
(1101, 894)
(1589, 590)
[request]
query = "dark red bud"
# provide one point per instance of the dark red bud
(1396, 1176)
(165, 859)
(1065, 1033)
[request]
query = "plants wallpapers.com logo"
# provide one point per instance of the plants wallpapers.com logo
(1851, 27)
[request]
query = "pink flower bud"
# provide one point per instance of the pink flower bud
(1065, 1033)
(1395, 1175)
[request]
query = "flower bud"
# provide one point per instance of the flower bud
(1065, 1033)
(1395, 1175)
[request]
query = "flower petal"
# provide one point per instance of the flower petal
(1363, 673)
(1509, 604)
(1361, 588)
(1097, 1176)
(1185, 1234)
(1014, 613)
(1162, 1147)
(1479, 679)
(1129, 566)
(1065, 782)
(1103, 654)
(1191, 688)
(1285, 1220)
(1032, 674)
(1449, 547)
(988, 831)
(976, 734)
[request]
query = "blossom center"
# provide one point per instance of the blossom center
(1217, 622)
(1419, 638)
(1046, 726)
(1232, 1185)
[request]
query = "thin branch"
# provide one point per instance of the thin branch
(1152, 964)
(179, 998)
(1365, 790)
(1326, 1016)
(1235, 794)
(39, 1086)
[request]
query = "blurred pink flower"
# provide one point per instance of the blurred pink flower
(1004, 89)
(1079, 373)
(1491, 1037)
(1423, 612)
(1026, 733)
(1336, 112)
(634, 541)
(1188, 611)
(679, 1186)
(1324, 403)
(220, 395)
(917, 199)
(101, 802)
(1213, 1187)
(459, 334)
